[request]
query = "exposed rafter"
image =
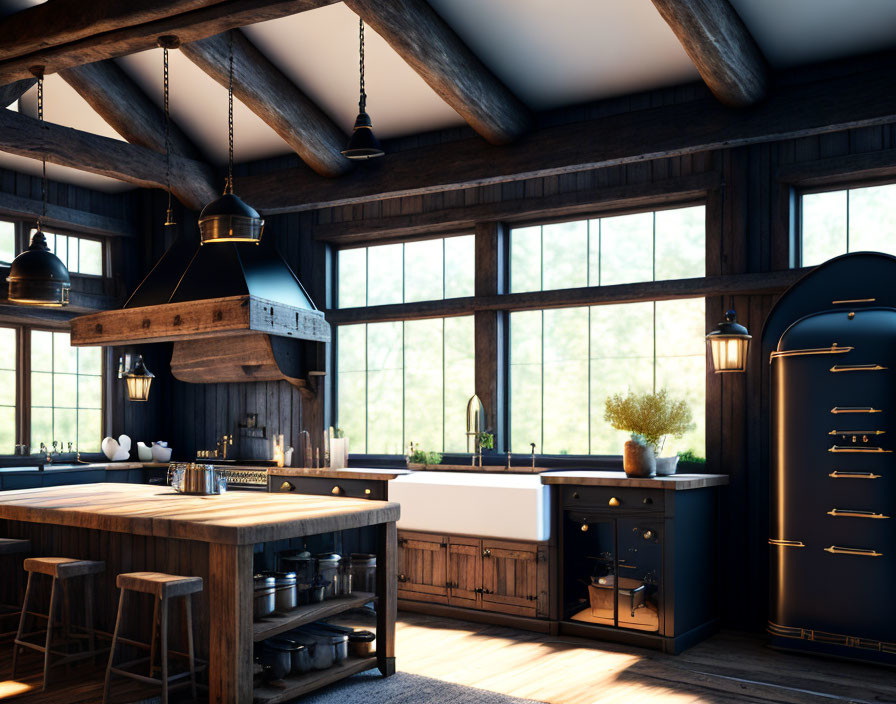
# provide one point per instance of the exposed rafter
(839, 103)
(434, 50)
(721, 47)
(265, 90)
(11, 93)
(125, 107)
(191, 181)
(66, 33)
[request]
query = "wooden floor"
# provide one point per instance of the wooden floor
(730, 667)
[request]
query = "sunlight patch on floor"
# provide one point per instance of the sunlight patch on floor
(11, 688)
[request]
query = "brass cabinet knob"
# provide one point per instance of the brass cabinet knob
(336, 491)
(648, 534)
(402, 578)
(486, 553)
(367, 492)
(584, 527)
(614, 501)
(286, 486)
(575, 494)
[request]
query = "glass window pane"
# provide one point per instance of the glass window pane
(73, 263)
(423, 270)
(90, 430)
(680, 328)
(352, 400)
(41, 389)
(384, 388)
(460, 263)
(626, 249)
(525, 380)
(91, 257)
(565, 255)
(525, 259)
(65, 390)
(610, 376)
(565, 396)
(61, 248)
(64, 355)
(823, 226)
(41, 427)
(7, 387)
(7, 242)
(352, 348)
(41, 350)
(7, 348)
(90, 392)
(680, 243)
(65, 425)
(352, 278)
(622, 331)
(459, 380)
(423, 381)
(7, 430)
(384, 274)
(685, 378)
(90, 360)
(872, 219)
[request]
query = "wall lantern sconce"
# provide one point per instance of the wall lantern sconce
(729, 344)
(138, 378)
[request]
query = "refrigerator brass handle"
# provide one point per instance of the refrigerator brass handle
(853, 475)
(853, 551)
(833, 349)
(856, 448)
(787, 543)
(853, 300)
(857, 432)
(849, 513)
(855, 409)
(857, 368)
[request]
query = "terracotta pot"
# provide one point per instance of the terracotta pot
(666, 466)
(638, 460)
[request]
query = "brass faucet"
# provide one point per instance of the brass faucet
(46, 451)
(532, 444)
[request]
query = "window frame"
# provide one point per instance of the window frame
(23, 380)
(25, 239)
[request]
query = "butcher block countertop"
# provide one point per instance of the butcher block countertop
(233, 518)
(386, 475)
(676, 482)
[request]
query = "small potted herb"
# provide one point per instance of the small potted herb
(421, 459)
(649, 417)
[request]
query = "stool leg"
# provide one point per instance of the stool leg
(20, 632)
(152, 638)
(188, 621)
(112, 648)
(66, 620)
(49, 633)
(89, 585)
(163, 637)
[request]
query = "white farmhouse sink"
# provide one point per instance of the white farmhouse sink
(512, 506)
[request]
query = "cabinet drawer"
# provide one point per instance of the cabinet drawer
(613, 498)
(326, 486)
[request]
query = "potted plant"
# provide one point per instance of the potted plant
(421, 459)
(650, 418)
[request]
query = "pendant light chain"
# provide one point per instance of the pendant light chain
(169, 217)
(362, 103)
(43, 182)
(230, 119)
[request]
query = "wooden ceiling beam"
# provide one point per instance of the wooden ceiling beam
(799, 110)
(433, 49)
(265, 90)
(721, 47)
(66, 33)
(12, 92)
(191, 181)
(126, 108)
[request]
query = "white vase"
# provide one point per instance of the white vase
(666, 466)
(144, 452)
(161, 452)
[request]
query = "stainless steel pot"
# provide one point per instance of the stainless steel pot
(299, 654)
(265, 596)
(199, 479)
(286, 597)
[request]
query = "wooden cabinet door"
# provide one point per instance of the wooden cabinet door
(464, 572)
(422, 567)
(510, 578)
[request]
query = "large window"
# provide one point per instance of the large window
(8, 347)
(654, 246)
(405, 272)
(565, 362)
(66, 392)
(848, 220)
(7, 241)
(403, 382)
(81, 255)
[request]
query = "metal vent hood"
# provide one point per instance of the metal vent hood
(235, 312)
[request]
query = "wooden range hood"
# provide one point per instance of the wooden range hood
(235, 313)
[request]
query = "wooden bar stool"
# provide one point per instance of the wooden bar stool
(162, 587)
(8, 548)
(60, 570)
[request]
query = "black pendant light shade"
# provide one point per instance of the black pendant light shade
(363, 143)
(37, 277)
(138, 378)
(729, 344)
(230, 219)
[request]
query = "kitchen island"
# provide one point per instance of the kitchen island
(152, 528)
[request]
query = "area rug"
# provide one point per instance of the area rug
(402, 688)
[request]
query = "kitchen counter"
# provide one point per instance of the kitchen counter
(72, 467)
(152, 528)
(677, 482)
(349, 473)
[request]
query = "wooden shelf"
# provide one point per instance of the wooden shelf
(280, 623)
(292, 687)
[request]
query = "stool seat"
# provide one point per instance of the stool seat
(14, 546)
(160, 584)
(63, 567)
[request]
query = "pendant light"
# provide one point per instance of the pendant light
(363, 143)
(167, 42)
(138, 378)
(729, 344)
(228, 218)
(37, 277)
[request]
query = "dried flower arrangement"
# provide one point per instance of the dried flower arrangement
(649, 417)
